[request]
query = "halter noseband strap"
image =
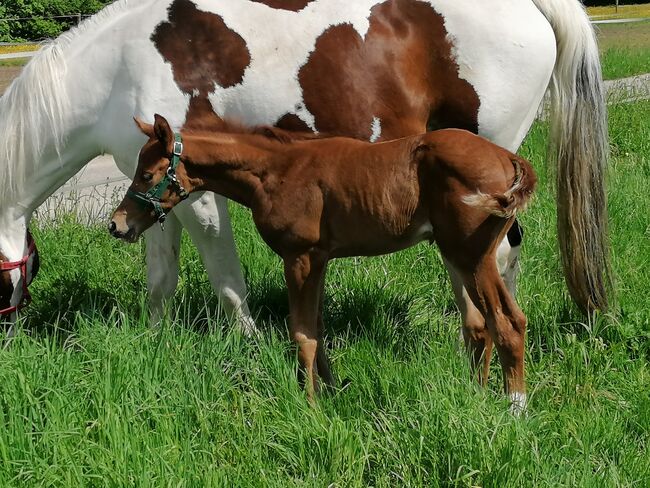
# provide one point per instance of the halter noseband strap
(22, 265)
(152, 198)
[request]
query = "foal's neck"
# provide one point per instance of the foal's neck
(232, 165)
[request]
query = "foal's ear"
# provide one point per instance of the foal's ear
(146, 129)
(163, 132)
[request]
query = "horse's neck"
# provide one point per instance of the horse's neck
(69, 106)
(233, 166)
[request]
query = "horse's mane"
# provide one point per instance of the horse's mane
(32, 108)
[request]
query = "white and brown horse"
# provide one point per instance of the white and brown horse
(320, 199)
(374, 69)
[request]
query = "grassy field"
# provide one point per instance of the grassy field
(13, 48)
(624, 49)
(90, 396)
(623, 11)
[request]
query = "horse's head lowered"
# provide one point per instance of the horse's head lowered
(16, 274)
(159, 183)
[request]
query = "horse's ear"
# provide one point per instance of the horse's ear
(146, 129)
(162, 131)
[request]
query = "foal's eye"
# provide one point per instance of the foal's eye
(147, 176)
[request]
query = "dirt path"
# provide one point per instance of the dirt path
(7, 74)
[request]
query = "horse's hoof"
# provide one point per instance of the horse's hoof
(518, 404)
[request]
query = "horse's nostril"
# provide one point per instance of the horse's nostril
(112, 227)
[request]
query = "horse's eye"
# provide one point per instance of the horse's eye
(147, 176)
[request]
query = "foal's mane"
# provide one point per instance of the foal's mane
(269, 133)
(32, 108)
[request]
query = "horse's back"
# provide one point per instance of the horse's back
(370, 69)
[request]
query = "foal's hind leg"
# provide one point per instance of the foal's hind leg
(474, 332)
(322, 362)
(506, 324)
(304, 275)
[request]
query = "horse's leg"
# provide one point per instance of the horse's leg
(322, 362)
(474, 333)
(508, 256)
(304, 274)
(163, 251)
(207, 221)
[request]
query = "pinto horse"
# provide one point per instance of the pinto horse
(320, 199)
(373, 69)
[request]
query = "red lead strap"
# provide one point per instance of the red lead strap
(22, 265)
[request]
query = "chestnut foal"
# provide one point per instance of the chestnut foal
(324, 198)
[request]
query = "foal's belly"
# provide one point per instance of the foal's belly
(366, 241)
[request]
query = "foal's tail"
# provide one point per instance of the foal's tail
(508, 203)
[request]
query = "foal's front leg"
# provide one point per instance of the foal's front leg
(304, 275)
(474, 332)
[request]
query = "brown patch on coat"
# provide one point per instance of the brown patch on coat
(203, 53)
(293, 5)
(403, 72)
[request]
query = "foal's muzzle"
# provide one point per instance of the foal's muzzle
(127, 235)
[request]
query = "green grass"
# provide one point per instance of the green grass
(14, 62)
(624, 62)
(90, 396)
(623, 11)
(624, 49)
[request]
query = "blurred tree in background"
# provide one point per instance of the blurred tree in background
(38, 23)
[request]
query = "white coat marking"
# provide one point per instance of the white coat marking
(376, 129)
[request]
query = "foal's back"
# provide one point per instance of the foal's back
(357, 198)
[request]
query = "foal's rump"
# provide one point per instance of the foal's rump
(477, 172)
(515, 198)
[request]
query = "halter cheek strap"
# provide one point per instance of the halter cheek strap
(22, 265)
(152, 198)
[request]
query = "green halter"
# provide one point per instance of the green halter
(152, 198)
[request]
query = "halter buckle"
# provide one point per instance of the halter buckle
(178, 148)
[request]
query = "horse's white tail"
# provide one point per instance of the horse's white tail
(578, 143)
